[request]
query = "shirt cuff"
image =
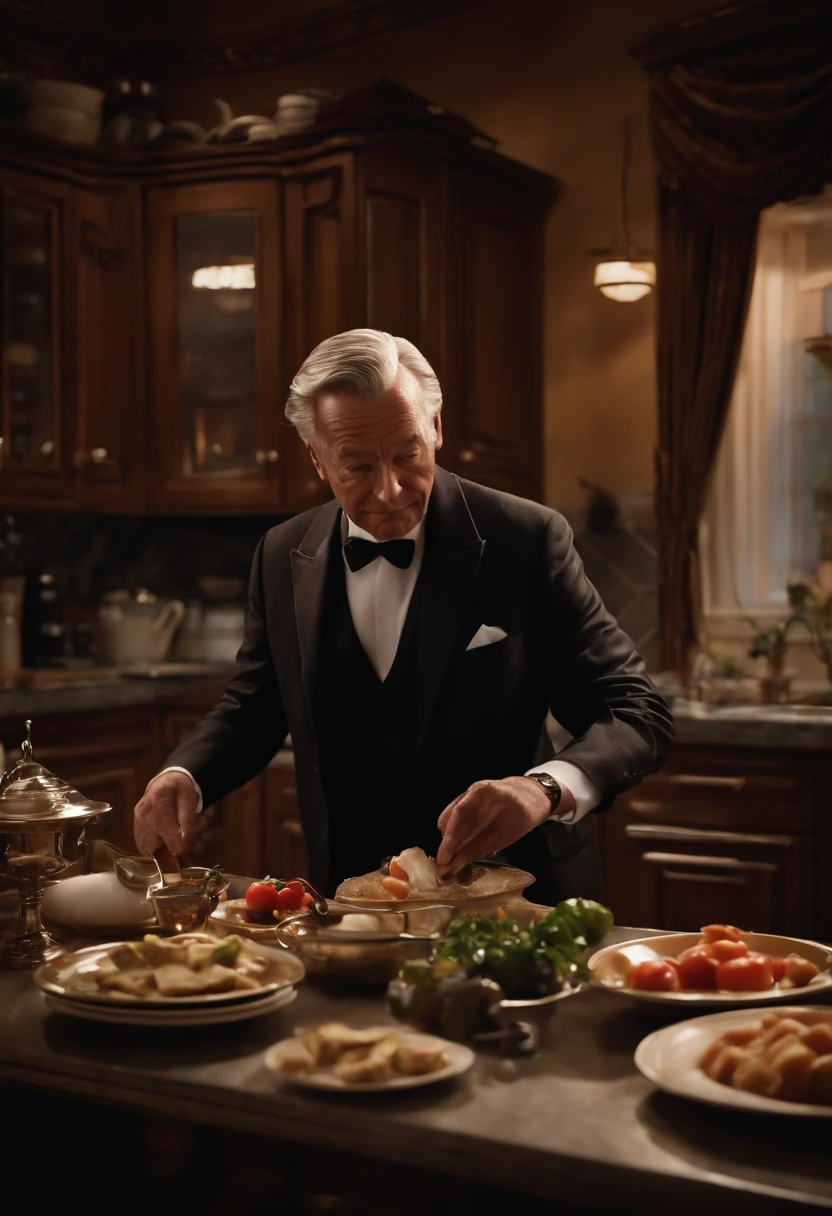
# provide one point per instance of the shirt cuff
(175, 768)
(585, 792)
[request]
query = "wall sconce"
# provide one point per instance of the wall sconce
(623, 272)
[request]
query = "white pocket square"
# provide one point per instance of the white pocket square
(486, 635)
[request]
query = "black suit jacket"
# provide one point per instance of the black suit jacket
(489, 559)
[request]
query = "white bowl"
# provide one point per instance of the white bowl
(58, 123)
(95, 901)
(64, 95)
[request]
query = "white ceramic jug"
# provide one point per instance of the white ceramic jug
(137, 629)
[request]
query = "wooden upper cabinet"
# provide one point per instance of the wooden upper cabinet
(493, 413)
(215, 341)
(34, 267)
(108, 435)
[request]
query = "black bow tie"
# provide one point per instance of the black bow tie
(359, 553)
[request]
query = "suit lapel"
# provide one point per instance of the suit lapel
(453, 551)
(310, 562)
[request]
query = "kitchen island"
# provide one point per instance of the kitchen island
(575, 1125)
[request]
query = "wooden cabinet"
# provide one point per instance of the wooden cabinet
(285, 853)
(213, 270)
(184, 290)
(722, 835)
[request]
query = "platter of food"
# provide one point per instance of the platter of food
(163, 1016)
(721, 967)
(412, 879)
(778, 1063)
(189, 969)
(371, 1059)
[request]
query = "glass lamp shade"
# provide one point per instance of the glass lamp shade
(625, 281)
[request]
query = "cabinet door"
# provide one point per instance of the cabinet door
(109, 430)
(284, 851)
(665, 876)
(493, 416)
(33, 253)
(321, 289)
(215, 346)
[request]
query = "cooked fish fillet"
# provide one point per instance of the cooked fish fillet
(174, 979)
(336, 1038)
(377, 1066)
(296, 1057)
(416, 1061)
(125, 958)
(135, 983)
(199, 954)
(156, 951)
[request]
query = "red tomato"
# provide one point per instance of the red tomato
(754, 973)
(287, 899)
(725, 949)
(720, 933)
(778, 966)
(262, 897)
(697, 970)
(296, 886)
(654, 975)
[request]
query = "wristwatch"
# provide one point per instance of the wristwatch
(547, 781)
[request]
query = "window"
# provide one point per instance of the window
(769, 512)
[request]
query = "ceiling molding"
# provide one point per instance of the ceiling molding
(39, 43)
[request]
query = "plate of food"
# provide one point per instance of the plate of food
(186, 970)
(721, 967)
(412, 879)
(369, 1059)
(778, 1063)
(173, 1016)
(266, 904)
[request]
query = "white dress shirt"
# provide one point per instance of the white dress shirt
(379, 596)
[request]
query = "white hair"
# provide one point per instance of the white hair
(366, 361)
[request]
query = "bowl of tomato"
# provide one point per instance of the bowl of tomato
(267, 903)
(720, 967)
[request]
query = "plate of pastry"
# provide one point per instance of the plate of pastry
(366, 1059)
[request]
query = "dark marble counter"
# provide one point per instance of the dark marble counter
(99, 695)
(576, 1124)
(769, 727)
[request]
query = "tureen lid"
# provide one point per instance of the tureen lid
(30, 791)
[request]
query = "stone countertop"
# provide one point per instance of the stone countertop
(770, 727)
(576, 1123)
(100, 695)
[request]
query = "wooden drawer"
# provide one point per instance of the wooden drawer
(670, 877)
(751, 791)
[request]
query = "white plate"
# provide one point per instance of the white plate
(602, 966)
(66, 976)
(459, 1056)
(167, 1017)
(669, 1058)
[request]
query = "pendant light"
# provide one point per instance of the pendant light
(624, 272)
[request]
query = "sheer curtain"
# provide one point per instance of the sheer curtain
(750, 528)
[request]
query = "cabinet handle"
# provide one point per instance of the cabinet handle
(719, 863)
(467, 455)
(47, 448)
(701, 781)
(2, 451)
(99, 455)
(292, 827)
(640, 831)
(269, 457)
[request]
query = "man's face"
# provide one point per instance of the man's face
(378, 456)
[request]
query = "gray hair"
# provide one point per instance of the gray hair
(366, 361)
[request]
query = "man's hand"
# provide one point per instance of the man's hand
(166, 814)
(491, 815)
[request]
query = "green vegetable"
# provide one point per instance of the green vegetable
(227, 951)
(593, 920)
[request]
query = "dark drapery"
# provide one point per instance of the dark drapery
(741, 118)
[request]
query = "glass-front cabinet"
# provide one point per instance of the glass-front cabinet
(215, 376)
(31, 242)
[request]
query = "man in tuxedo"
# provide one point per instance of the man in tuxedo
(411, 635)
